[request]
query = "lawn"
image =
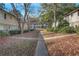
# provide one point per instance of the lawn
(65, 46)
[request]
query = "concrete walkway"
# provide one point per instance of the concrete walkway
(59, 36)
(23, 38)
(41, 49)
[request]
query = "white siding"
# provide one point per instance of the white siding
(73, 19)
(1, 27)
(9, 23)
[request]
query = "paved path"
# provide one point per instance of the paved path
(23, 38)
(59, 36)
(41, 49)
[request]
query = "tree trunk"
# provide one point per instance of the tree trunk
(54, 12)
(26, 6)
(54, 19)
(22, 28)
(17, 16)
(28, 23)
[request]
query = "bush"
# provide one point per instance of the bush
(25, 31)
(63, 23)
(64, 27)
(77, 30)
(2, 33)
(31, 29)
(67, 29)
(13, 32)
(28, 30)
(50, 29)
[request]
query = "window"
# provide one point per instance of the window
(10, 17)
(5, 16)
(78, 13)
(71, 14)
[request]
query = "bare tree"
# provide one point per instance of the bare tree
(26, 15)
(21, 23)
(17, 16)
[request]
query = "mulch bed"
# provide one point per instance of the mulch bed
(18, 47)
(66, 46)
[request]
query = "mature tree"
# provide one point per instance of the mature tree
(21, 22)
(17, 14)
(51, 10)
(55, 12)
(46, 17)
(26, 14)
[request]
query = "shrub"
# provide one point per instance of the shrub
(50, 29)
(25, 31)
(28, 30)
(13, 32)
(61, 26)
(77, 30)
(31, 29)
(67, 29)
(2, 33)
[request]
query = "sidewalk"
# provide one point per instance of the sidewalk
(41, 49)
(55, 37)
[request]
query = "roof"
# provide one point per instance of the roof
(67, 14)
(31, 19)
(7, 12)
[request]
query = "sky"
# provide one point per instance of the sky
(35, 7)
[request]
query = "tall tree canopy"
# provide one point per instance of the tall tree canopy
(53, 13)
